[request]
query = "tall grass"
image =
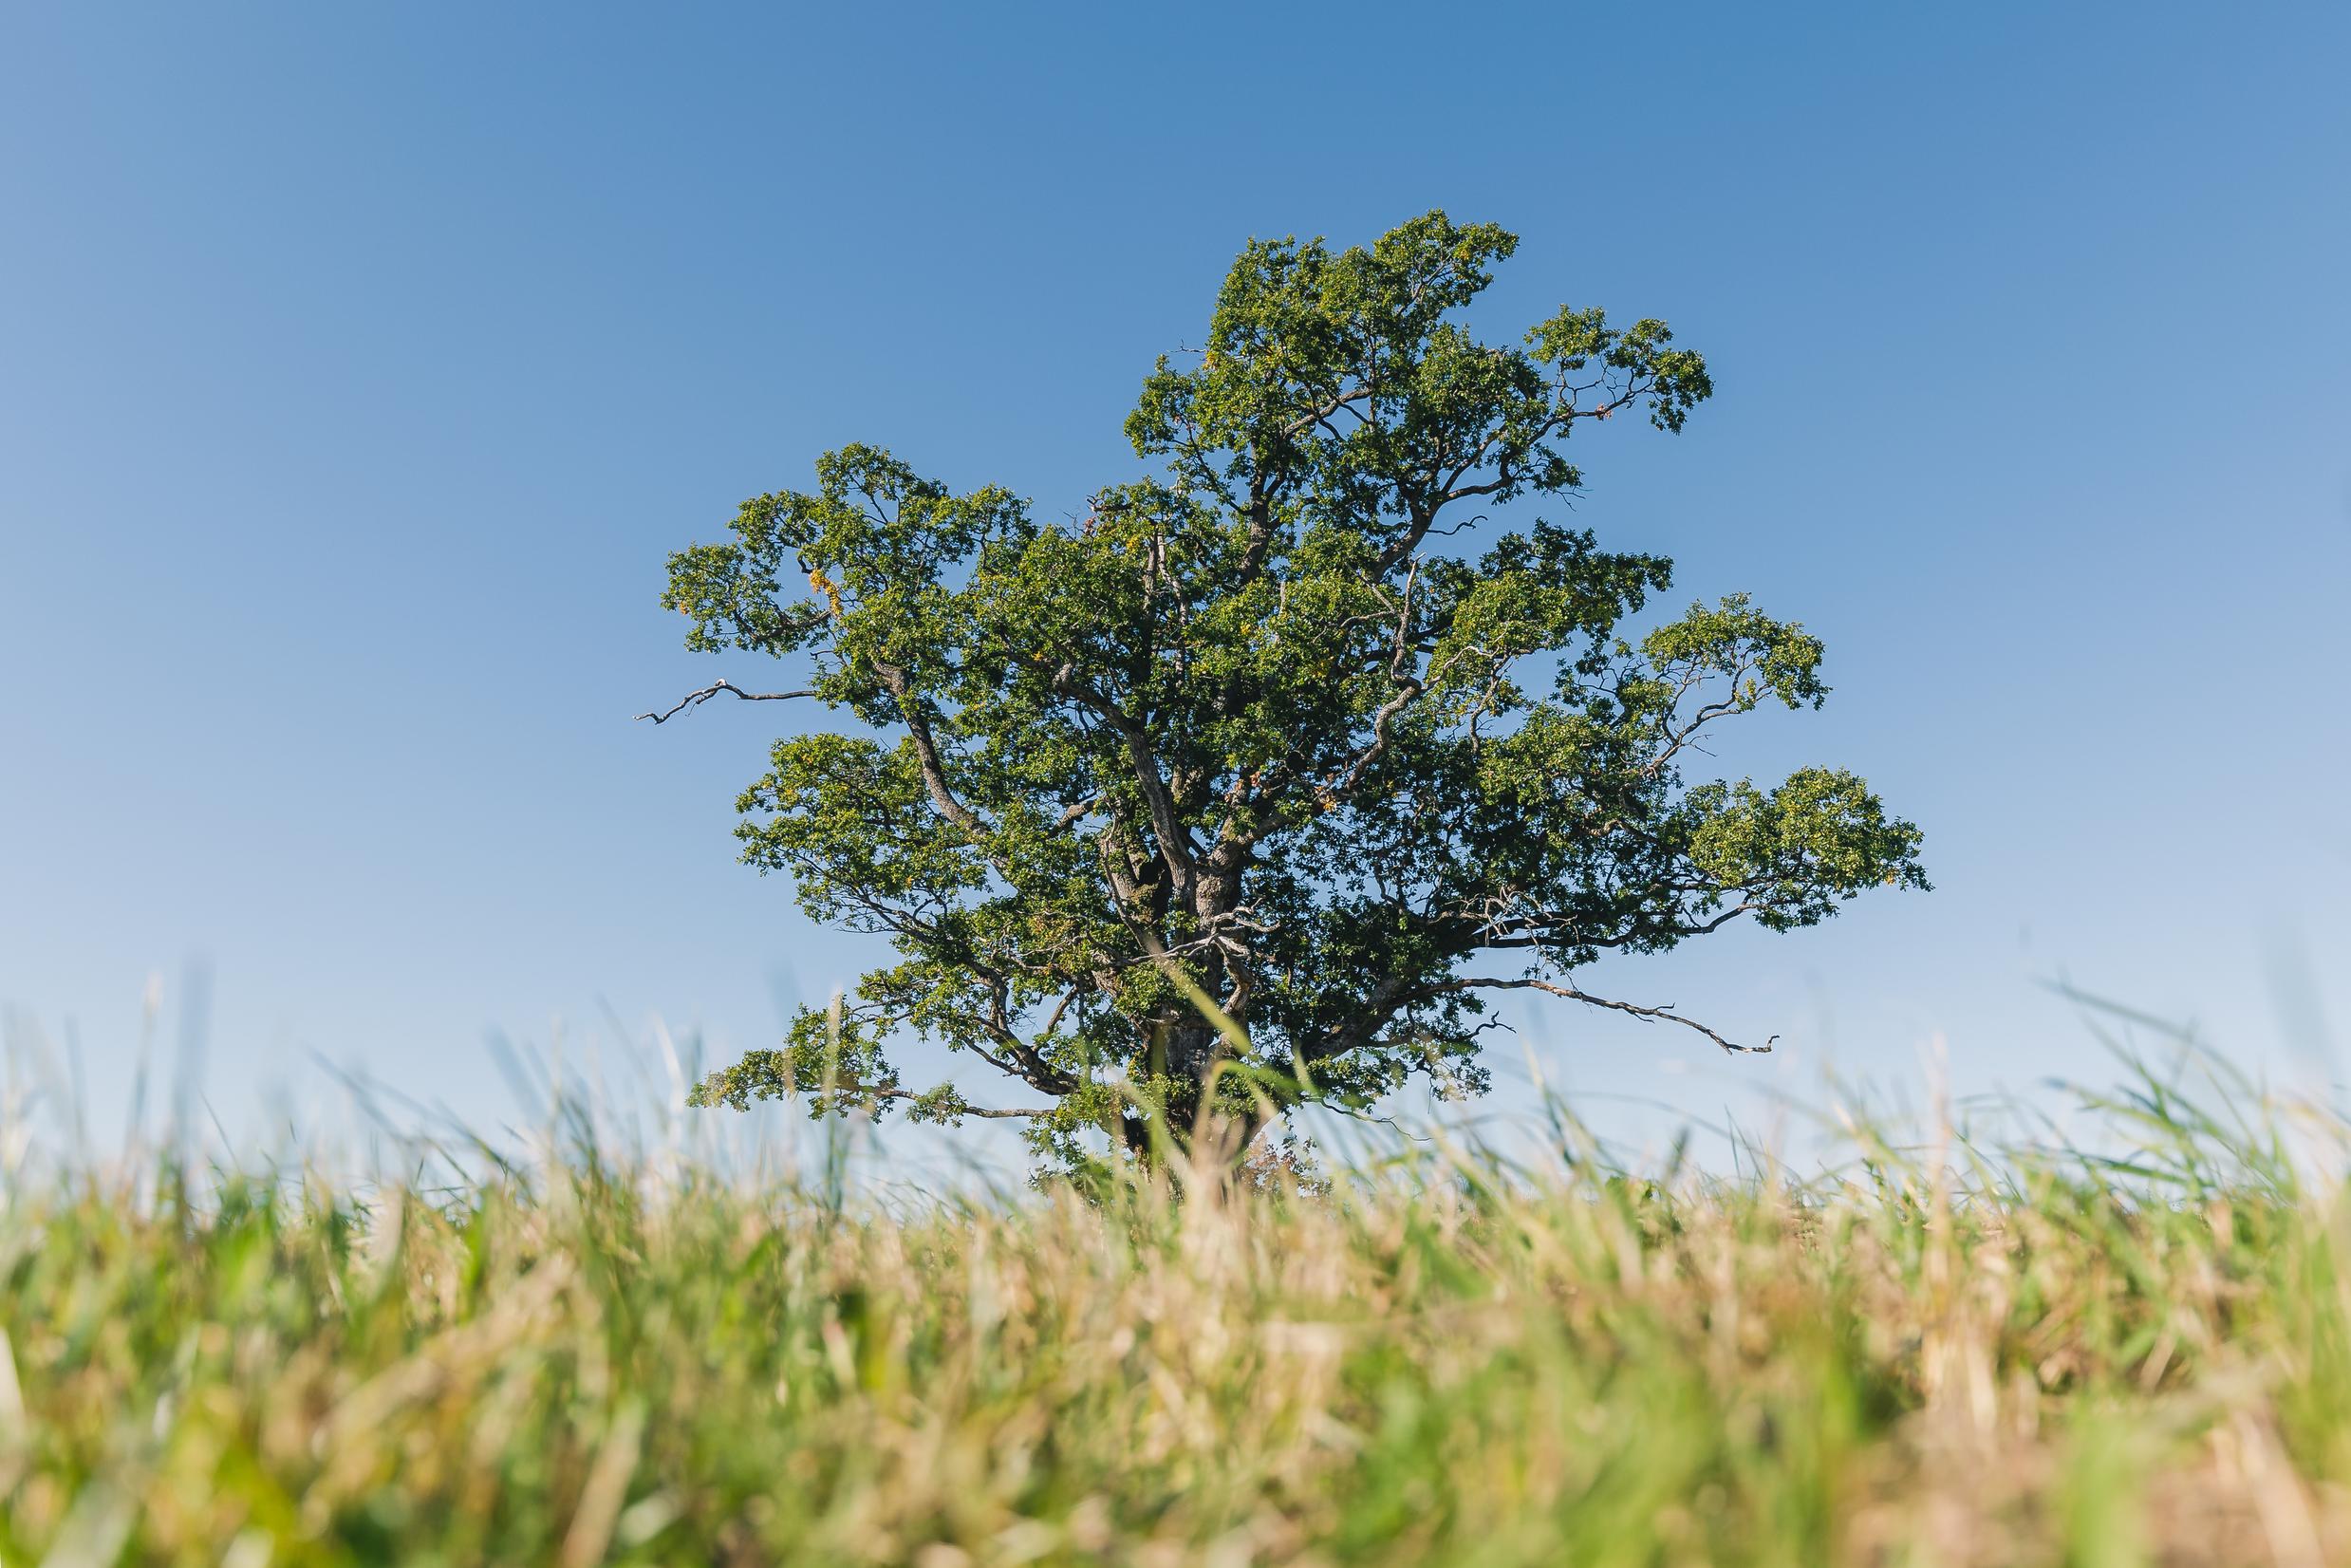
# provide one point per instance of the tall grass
(2135, 1347)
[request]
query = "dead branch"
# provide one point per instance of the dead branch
(696, 699)
(1648, 1015)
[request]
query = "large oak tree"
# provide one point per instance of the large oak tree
(1251, 786)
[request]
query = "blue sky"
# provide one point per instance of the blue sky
(360, 366)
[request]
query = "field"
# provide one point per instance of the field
(2133, 1350)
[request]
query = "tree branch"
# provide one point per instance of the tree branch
(926, 751)
(696, 699)
(864, 1091)
(1176, 848)
(1647, 1015)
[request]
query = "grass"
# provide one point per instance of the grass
(1952, 1356)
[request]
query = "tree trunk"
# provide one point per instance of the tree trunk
(1183, 1056)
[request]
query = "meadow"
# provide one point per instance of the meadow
(2130, 1346)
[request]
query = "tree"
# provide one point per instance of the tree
(1249, 787)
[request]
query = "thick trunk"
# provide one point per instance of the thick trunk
(1184, 1046)
(1227, 1138)
(1190, 1045)
(1183, 1056)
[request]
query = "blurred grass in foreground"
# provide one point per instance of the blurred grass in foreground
(2137, 1348)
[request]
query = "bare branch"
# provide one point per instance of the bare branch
(696, 699)
(1177, 851)
(926, 751)
(1052, 1020)
(1648, 1015)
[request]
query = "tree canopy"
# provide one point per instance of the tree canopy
(1253, 784)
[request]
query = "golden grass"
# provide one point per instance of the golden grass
(1978, 1359)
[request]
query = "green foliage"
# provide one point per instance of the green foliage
(1262, 728)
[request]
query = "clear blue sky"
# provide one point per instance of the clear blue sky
(360, 366)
